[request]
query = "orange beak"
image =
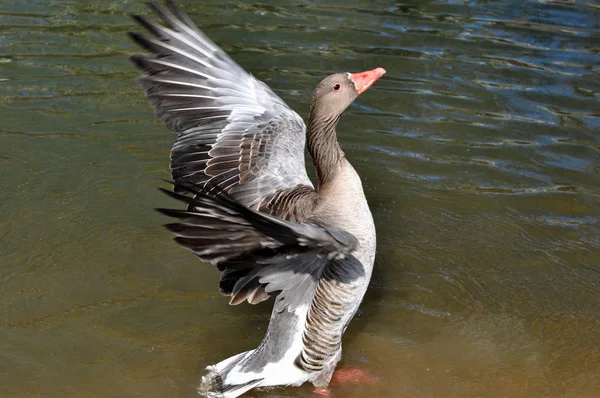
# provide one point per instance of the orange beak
(363, 80)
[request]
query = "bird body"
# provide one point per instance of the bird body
(274, 362)
(238, 165)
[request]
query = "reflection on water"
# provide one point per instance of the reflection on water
(479, 152)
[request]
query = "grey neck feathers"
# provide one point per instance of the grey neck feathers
(323, 145)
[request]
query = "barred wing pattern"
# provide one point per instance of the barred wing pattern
(233, 132)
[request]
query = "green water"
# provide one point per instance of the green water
(480, 156)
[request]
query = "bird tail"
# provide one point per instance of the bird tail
(215, 383)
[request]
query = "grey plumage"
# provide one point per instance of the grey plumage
(233, 131)
(333, 300)
(238, 165)
(257, 254)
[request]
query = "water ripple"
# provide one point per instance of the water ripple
(478, 151)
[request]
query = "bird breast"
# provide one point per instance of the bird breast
(342, 204)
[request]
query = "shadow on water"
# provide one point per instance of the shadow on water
(479, 154)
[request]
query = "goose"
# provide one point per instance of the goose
(238, 165)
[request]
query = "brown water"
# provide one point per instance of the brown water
(479, 152)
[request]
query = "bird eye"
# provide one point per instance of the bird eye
(336, 86)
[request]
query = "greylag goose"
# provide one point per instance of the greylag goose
(238, 164)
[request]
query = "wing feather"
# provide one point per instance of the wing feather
(258, 255)
(232, 130)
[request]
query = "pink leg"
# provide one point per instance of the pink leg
(321, 391)
(355, 376)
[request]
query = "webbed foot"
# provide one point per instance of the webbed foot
(351, 375)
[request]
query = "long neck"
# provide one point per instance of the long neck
(323, 145)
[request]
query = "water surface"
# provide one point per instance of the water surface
(479, 153)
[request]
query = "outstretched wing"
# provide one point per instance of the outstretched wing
(233, 131)
(260, 255)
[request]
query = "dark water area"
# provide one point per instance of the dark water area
(480, 156)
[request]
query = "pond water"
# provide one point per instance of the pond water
(479, 152)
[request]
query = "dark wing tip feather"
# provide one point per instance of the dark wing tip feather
(140, 61)
(177, 227)
(175, 213)
(143, 21)
(176, 10)
(141, 41)
(214, 193)
(177, 196)
(182, 186)
(165, 15)
(153, 6)
(217, 197)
